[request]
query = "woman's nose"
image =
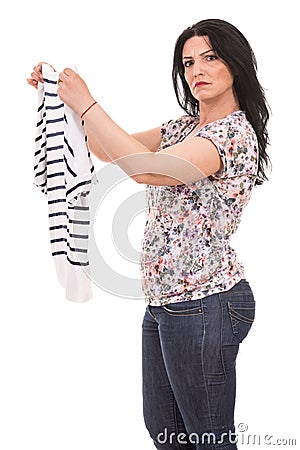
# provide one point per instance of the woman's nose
(198, 68)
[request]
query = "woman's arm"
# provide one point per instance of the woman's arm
(181, 163)
(150, 138)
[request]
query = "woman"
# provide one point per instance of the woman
(200, 171)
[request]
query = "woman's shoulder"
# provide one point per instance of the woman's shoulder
(234, 123)
(238, 120)
(235, 127)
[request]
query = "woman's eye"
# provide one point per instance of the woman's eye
(188, 63)
(211, 57)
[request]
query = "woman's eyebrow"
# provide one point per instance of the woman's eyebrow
(203, 53)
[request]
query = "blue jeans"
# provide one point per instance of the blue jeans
(189, 377)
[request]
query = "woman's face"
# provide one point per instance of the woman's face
(208, 77)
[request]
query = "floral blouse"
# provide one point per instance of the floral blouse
(186, 252)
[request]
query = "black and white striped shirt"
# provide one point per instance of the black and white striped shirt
(63, 170)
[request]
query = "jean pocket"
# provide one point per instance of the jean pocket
(184, 308)
(242, 314)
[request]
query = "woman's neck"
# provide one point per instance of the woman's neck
(209, 112)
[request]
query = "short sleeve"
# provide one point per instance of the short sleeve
(236, 143)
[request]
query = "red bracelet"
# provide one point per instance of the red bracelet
(84, 112)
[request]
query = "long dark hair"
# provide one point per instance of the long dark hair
(234, 49)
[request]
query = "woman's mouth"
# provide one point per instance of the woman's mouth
(201, 83)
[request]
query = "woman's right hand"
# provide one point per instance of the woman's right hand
(36, 75)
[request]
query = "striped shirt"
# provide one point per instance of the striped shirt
(63, 170)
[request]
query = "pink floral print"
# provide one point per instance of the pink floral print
(186, 252)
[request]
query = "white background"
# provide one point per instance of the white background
(70, 374)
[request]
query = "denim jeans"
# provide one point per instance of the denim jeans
(189, 362)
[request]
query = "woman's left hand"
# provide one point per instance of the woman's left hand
(73, 91)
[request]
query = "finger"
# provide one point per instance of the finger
(63, 77)
(39, 70)
(37, 74)
(68, 72)
(32, 82)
